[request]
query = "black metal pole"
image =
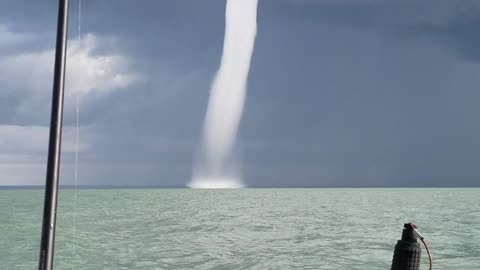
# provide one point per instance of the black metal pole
(54, 144)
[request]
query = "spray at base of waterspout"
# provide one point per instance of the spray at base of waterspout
(216, 183)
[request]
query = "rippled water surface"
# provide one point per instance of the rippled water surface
(241, 229)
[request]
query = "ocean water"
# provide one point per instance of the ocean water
(241, 229)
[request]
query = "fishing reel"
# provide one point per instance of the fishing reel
(407, 251)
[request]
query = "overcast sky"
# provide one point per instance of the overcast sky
(340, 93)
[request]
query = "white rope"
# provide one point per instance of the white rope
(76, 148)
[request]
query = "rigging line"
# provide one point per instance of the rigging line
(79, 20)
(76, 147)
(75, 184)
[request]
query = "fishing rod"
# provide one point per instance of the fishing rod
(55, 141)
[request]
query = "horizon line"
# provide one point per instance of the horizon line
(5, 187)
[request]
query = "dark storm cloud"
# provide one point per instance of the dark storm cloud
(451, 23)
(341, 93)
(459, 33)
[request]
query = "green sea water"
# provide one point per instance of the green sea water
(241, 229)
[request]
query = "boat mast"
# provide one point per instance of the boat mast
(54, 144)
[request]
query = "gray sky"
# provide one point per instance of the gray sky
(340, 93)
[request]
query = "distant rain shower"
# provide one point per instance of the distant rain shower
(216, 167)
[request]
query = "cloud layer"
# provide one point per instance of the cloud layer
(26, 78)
(343, 93)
